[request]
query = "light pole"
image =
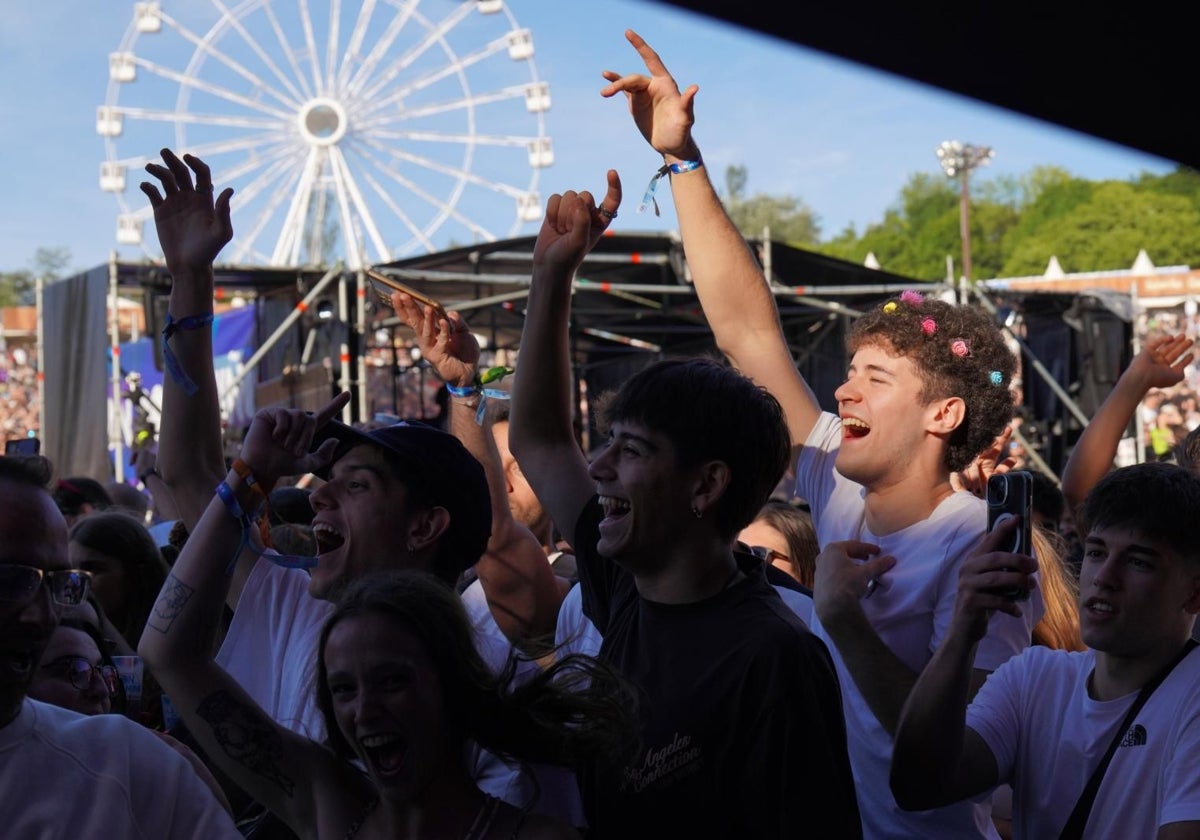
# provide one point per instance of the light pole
(958, 159)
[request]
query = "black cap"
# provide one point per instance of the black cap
(440, 472)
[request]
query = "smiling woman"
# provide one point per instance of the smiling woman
(402, 690)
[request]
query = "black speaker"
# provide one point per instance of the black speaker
(1103, 350)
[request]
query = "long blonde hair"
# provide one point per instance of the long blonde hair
(1059, 627)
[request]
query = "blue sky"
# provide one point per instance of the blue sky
(842, 138)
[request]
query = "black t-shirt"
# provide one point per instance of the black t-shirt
(743, 733)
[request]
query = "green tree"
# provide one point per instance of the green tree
(789, 219)
(17, 287)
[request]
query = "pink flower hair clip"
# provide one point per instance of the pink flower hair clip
(912, 298)
(960, 348)
(928, 326)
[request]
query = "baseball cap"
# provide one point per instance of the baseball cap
(440, 472)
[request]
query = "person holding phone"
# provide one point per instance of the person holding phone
(926, 391)
(1103, 742)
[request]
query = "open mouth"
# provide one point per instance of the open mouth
(384, 753)
(328, 538)
(614, 508)
(855, 428)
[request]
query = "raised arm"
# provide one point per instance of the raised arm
(936, 758)
(734, 294)
(284, 771)
(1160, 364)
(541, 433)
(522, 590)
(192, 230)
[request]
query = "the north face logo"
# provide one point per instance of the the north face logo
(1135, 737)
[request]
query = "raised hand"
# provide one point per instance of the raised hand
(277, 443)
(974, 477)
(573, 225)
(1162, 360)
(192, 228)
(446, 343)
(663, 114)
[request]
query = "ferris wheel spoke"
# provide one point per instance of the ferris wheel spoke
(286, 175)
(310, 46)
(230, 174)
(338, 162)
(286, 46)
(466, 139)
(354, 259)
(446, 208)
(400, 94)
(216, 90)
(198, 119)
(205, 46)
(287, 247)
(456, 172)
(412, 54)
(357, 36)
(412, 188)
(331, 47)
(517, 92)
(379, 50)
(265, 57)
(208, 150)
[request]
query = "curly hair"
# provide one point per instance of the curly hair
(576, 710)
(958, 351)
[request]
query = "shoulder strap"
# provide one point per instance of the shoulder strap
(1073, 830)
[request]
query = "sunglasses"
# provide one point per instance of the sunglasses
(80, 673)
(19, 584)
(768, 555)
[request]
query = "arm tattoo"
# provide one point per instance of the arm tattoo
(247, 736)
(175, 594)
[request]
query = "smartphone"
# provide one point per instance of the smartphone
(384, 286)
(1011, 494)
(23, 446)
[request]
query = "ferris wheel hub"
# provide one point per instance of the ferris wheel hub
(322, 121)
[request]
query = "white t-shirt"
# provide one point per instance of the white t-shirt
(271, 646)
(65, 775)
(910, 611)
(1047, 737)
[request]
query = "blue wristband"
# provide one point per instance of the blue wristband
(674, 169)
(231, 503)
(465, 391)
(191, 322)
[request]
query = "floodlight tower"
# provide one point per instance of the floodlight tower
(958, 160)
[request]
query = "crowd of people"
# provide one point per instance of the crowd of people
(18, 393)
(470, 627)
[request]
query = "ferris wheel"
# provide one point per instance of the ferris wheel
(359, 130)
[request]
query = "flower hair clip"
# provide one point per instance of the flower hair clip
(928, 326)
(912, 298)
(890, 307)
(960, 348)
(996, 377)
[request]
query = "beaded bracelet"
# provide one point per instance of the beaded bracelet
(674, 169)
(191, 322)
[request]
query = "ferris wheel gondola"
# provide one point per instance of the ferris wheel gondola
(354, 131)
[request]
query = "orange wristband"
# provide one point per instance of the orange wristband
(240, 467)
